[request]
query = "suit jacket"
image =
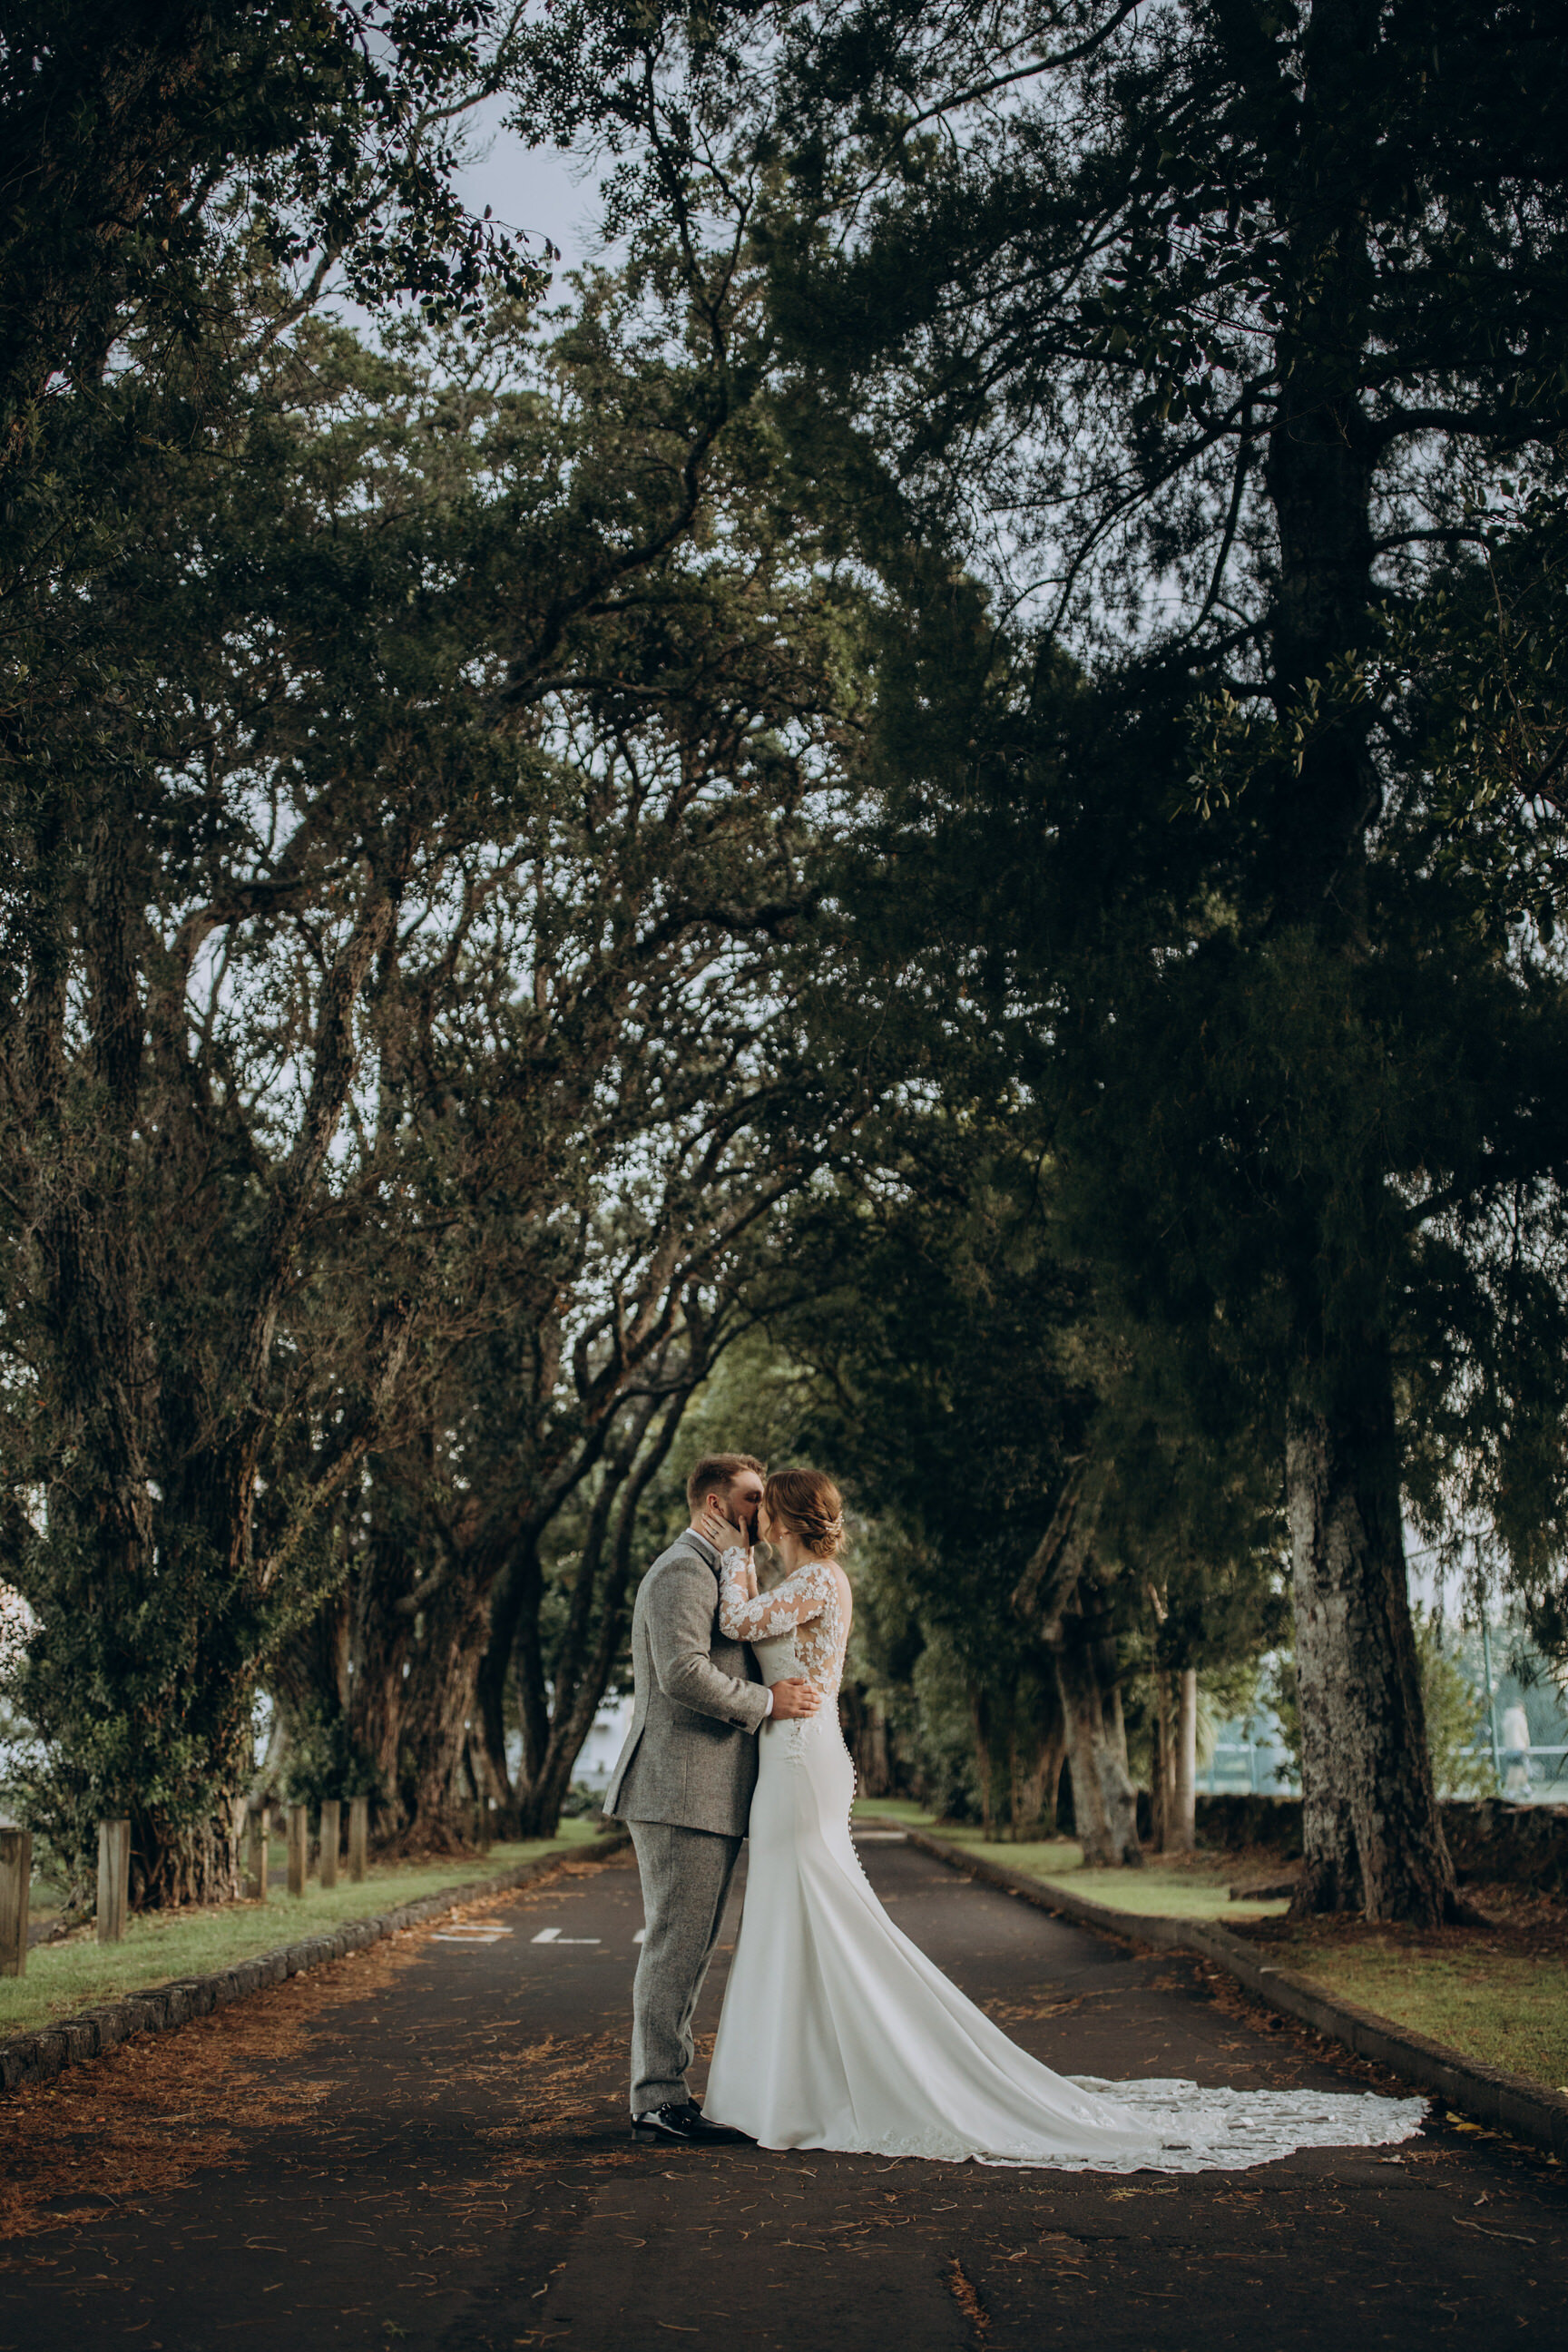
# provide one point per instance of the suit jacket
(690, 1756)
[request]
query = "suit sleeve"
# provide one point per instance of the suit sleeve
(681, 1636)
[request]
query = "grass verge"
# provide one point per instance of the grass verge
(1497, 1994)
(1195, 1890)
(196, 1942)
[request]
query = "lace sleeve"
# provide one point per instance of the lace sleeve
(795, 1602)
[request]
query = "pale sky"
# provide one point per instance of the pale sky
(538, 190)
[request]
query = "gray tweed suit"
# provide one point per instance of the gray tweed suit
(683, 1786)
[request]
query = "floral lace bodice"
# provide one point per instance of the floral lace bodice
(806, 1604)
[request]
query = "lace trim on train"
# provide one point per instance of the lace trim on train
(1192, 2129)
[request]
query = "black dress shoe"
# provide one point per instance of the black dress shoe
(686, 2123)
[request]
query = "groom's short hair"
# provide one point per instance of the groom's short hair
(716, 1471)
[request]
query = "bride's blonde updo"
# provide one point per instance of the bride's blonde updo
(810, 1506)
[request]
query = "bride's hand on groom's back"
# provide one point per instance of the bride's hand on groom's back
(795, 1698)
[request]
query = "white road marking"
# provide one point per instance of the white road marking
(640, 1934)
(465, 1935)
(555, 1936)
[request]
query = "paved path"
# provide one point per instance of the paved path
(425, 2146)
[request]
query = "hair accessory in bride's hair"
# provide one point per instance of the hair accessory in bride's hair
(810, 1506)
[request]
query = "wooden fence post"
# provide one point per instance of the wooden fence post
(299, 1848)
(329, 1834)
(15, 1883)
(359, 1836)
(114, 1880)
(257, 1830)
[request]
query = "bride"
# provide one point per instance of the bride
(838, 2033)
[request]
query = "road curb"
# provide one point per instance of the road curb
(29, 2058)
(1485, 2094)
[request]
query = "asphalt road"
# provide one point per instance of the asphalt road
(426, 2146)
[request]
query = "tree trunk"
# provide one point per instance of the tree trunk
(1369, 1820)
(880, 1780)
(1036, 1772)
(985, 1759)
(1162, 1765)
(1182, 1829)
(587, 1658)
(1105, 1804)
(1372, 1833)
(441, 1712)
(492, 1689)
(195, 1863)
(1076, 1627)
(1319, 476)
(864, 1723)
(1020, 1741)
(378, 1690)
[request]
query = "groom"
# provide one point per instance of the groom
(683, 1786)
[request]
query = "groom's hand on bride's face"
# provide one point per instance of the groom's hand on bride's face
(795, 1698)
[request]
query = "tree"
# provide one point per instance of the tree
(1473, 668)
(642, 1104)
(143, 136)
(1212, 322)
(945, 1362)
(491, 1583)
(221, 814)
(164, 167)
(1144, 1539)
(275, 844)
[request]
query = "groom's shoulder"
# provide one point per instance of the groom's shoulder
(682, 1553)
(680, 1565)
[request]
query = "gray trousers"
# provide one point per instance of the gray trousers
(686, 1877)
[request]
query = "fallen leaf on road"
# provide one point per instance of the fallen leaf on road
(962, 2288)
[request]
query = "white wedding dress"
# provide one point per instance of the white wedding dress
(838, 2033)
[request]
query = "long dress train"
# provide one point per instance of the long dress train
(838, 2033)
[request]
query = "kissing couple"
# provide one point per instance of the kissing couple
(837, 2031)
